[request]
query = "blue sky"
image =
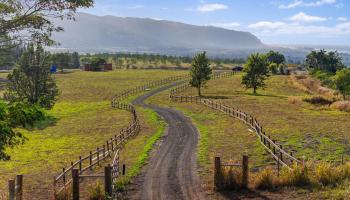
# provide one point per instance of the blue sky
(273, 21)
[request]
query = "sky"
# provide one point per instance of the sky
(290, 22)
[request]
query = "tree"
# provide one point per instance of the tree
(31, 81)
(76, 60)
(31, 20)
(273, 67)
(256, 72)
(342, 82)
(97, 62)
(12, 116)
(200, 71)
(324, 61)
(275, 57)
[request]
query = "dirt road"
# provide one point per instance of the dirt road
(172, 170)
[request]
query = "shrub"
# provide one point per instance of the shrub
(297, 177)
(232, 178)
(265, 180)
(294, 100)
(65, 194)
(341, 105)
(318, 100)
(326, 175)
(96, 192)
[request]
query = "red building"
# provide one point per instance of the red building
(104, 67)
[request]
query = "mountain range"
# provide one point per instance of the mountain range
(90, 33)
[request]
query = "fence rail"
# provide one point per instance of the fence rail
(114, 144)
(276, 150)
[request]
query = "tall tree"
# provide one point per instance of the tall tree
(324, 61)
(275, 57)
(342, 82)
(32, 19)
(200, 71)
(76, 60)
(256, 70)
(31, 81)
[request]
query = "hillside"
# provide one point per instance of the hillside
(91, 33)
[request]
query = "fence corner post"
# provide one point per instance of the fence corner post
(19, 187)
(245, 171)
(108, 180)
(11, 185)
(75, 185)
(217, 174)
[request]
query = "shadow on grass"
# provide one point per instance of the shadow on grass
(243, 194)
(42, 124)
(262, 95)
(216, 97)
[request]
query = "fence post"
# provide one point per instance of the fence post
(64, 175)
(90, 159)
(80, 163)
(75, 187)
(124, 169)
(98, 155)
(245, 171)
(19, 187)
(217, 174)
(108, 180)
(281, 154)
(11, 189)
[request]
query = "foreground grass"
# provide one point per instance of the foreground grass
(80, 121)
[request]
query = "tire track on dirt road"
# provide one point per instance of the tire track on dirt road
(172, 170)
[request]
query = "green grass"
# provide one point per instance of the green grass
(315, 132)
(81, 120)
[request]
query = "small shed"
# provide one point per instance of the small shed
(104, 67)
(237, 69)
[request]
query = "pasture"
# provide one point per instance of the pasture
(312, 132)
(81, 120)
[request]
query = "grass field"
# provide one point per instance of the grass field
(318, 133)
(80, 121)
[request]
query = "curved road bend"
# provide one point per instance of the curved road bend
(172, 171)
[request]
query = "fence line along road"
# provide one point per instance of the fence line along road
(113, 145)
(276, 150)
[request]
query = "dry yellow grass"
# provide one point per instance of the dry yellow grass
(341, 105)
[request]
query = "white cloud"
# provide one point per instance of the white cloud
(280, 28)
(302, 17)
(267, 25)
(211, 7)
(230, 25)
(342, 19)
(298, 3)
(136, 7)
(292, 5)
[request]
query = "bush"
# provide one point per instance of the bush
(23, 114)
(65, 194)
(297, 177)
(294, 100)
(232, 178)
(341, 105)
(318, 100)
(96, 192)
(324, 77)
(265, 180)
(326, 175)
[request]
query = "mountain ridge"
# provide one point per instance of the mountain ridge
(109, 33)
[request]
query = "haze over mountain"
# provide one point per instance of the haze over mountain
(90, 33)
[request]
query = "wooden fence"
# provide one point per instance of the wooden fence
(114, 145)
(272, 146)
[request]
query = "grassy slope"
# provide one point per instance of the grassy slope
(317, 133)
(83, 120)
(314, 132)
